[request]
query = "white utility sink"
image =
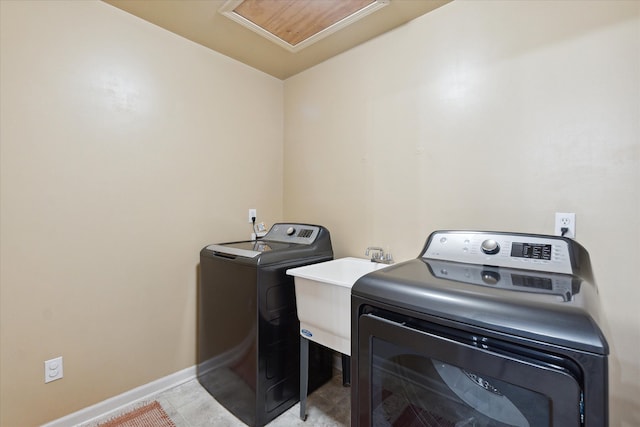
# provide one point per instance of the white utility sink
(323, 299)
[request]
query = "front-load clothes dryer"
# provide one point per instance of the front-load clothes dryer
(487, 329)
(248, 340)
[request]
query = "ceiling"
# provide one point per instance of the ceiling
(201, 21)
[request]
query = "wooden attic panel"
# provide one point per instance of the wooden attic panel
(296, 20)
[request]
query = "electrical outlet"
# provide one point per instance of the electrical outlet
(565, 225)
(252, 214)
(52, 369)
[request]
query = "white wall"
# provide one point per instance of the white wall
(488, 115)
(124, 150)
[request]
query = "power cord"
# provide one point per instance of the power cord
(253, 224)
(563, 231)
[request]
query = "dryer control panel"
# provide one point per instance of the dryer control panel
(511, 250)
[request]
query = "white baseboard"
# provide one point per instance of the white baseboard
(122, 400)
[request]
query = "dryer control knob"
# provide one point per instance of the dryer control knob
(290, 231)
(490, 277)
(490, 247)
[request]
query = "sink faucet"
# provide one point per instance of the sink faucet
(378, 255)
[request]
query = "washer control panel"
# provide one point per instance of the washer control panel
(293, 233)
(521, 251)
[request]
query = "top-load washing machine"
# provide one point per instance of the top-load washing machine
(248, 340)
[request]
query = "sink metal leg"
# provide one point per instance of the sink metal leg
(346, 370)
(304, 376)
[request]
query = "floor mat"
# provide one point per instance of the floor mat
(149, 415)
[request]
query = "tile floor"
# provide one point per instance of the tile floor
(190, 405)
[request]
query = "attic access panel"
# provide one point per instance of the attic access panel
(296, 24)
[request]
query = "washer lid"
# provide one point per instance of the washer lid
(247, 249)
(283, 243)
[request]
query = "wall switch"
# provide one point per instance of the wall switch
(252, 214)
(565, 225)
(52, 369)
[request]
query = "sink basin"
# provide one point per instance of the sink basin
(323, 299)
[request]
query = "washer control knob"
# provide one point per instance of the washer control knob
(290, 231)
(490, 247)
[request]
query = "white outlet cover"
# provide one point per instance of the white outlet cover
(568, 220)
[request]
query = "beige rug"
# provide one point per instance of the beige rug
(149, 415)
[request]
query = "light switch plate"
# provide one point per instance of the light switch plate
(53, 369)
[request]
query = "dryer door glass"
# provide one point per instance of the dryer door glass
(420, 379)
